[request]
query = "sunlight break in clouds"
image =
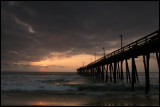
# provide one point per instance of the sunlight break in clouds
(75, 61)
(63, 64)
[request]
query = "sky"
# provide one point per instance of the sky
(58, 36)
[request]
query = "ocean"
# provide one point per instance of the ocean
(70, 89)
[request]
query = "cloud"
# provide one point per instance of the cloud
(33, 31)
(30, 29)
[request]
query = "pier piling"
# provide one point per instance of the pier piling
(107, 68)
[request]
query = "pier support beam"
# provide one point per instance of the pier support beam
(127, 72)
(118, 71)
(93, 72)
(96, 73)
(102, 75)
(146, 67)
(107, 73)
(99, 73)
(121, 70)
(133, 72)
(86, 72)
(114, 73)
(111, 69)
(158, 60)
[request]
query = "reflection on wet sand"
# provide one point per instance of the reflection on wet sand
(52, 103)
(54, 99)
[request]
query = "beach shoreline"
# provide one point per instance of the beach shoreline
(63, 99)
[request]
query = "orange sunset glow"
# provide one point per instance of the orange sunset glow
(71, 62)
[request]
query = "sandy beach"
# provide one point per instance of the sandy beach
(61, 99)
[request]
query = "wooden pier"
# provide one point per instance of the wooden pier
(110, 67)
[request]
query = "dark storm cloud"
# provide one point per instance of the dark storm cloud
(32, 30)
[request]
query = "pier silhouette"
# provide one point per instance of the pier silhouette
(109, 68)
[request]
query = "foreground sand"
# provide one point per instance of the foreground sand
(55, 99)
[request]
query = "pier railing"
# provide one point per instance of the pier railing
(109, 64)
(132, 45)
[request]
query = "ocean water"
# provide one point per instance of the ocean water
(70, 85)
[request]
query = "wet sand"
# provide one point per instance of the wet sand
(62, 99)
